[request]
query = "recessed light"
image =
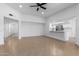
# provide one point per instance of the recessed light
(42, 12)
(20, 6)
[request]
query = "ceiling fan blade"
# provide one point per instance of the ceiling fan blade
(34, 6)
(37, 9)
(43, 7)
(43, 3)
(38, 4)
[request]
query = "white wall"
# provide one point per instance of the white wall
(62, 15)
(32, 29)
(4, 11)
(30, 18)
(32, 26)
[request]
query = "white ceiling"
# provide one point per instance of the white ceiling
(52, 8)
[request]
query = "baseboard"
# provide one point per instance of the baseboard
(55, 38)
(32, 36)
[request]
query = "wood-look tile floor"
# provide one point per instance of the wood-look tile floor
(38, 46)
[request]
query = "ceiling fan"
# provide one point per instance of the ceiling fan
(39, 5)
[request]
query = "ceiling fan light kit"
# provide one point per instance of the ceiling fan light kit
(20, 6)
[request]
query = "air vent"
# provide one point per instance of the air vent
(10, 15)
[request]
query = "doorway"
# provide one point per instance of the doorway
(70, 30)
(72, 34)
(11, 28)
